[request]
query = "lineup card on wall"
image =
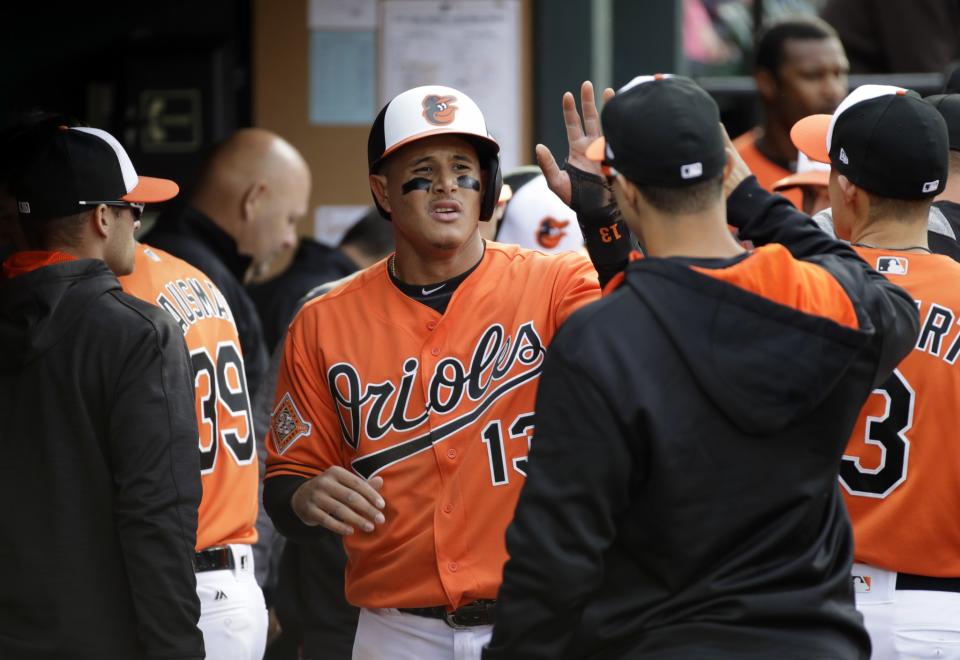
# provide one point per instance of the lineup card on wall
(342, 71)
(472, 45)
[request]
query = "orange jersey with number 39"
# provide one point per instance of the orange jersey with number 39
(439, 405)
(900, 475)
(228, 457)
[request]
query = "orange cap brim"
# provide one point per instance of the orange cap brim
(597, 150)
(810, 178)
(809, 135)
(150, 190)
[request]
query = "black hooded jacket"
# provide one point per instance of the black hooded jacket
(682, 497)
(100, 475)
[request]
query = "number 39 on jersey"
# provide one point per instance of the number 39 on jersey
(223, 406)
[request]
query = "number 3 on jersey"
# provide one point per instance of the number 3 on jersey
(889, 432)
(224, 405)
(492, 437)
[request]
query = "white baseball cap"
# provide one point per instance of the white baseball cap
(424, 111)
(431, 110)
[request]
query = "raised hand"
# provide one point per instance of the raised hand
(580, 134)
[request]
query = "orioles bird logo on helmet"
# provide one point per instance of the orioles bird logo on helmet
(551, 232)
(439, 110)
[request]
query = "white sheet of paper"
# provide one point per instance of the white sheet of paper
(472, 45)
(331, 223)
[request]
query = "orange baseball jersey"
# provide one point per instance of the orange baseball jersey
(228, 457)
(901, 472)
(766, 171)
(439, 405)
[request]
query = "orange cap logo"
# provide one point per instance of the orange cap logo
(551, 232)
(439, 110)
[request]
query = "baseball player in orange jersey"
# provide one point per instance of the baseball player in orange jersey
(900, 475)
(404, 422)
(233, 617)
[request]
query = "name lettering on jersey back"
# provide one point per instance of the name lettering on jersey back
(937, 332)
(374, 410)
(190, 300)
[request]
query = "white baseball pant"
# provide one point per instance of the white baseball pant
(233, 616)
(905, 623)
(389, 633)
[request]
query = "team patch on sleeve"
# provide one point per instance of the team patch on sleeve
(287, 424)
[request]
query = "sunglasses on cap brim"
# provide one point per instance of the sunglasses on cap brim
(135, 208)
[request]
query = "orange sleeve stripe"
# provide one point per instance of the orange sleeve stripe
(294, 469)
(301, 469)
(772, 273)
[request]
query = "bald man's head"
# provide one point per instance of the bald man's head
(255, 186)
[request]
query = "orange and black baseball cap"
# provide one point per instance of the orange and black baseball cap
(661, 130)
(885, 139)
(71, 170)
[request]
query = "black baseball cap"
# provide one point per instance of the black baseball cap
(70, 170)
(948, 105)
(885, 139)
(661, 130)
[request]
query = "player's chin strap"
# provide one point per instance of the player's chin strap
(606, 235)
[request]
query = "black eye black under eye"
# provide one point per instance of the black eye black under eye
(416, 183)
(467, 181)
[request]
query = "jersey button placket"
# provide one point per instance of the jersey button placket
(432, 339)
(449, 526)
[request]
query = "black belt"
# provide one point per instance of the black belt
(477, 613)
(911, 582)
(213, 559)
